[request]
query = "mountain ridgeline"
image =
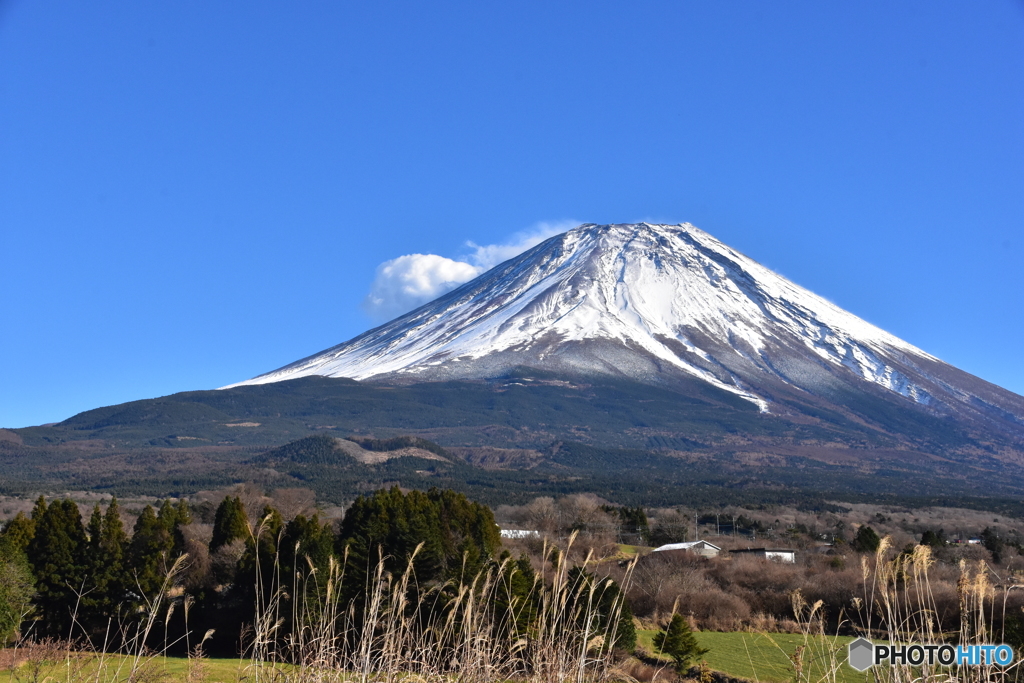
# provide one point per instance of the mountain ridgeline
(603, 359)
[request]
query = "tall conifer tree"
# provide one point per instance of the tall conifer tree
(39, 509)
(678, 642)
(230, 523)
(306, 544)
(517, 597)
(182, 518)
(108, 553)
(18, 533)
(57, 555)
(147, 553)
(167, 515)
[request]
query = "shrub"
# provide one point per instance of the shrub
(866, 540)
(678, 642)
(16, 593)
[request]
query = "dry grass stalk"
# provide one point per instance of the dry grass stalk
(451, 632)
(397, 629)
(899, 608)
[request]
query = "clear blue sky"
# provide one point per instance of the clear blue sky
(193, 193)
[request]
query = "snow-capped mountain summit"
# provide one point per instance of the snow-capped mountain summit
(657, 304)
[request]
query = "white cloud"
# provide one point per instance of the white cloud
(406, 282)
(491, 255)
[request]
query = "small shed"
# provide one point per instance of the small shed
(702, 548)
(784, 555)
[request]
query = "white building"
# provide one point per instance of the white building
(784, 555)
(519, 533)
(702, 548)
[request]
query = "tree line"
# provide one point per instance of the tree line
(69, 578)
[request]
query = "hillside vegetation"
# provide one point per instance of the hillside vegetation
(634, 443)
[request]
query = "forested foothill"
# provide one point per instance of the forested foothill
(522, 435)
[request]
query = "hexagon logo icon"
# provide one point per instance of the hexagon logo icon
(860, 654)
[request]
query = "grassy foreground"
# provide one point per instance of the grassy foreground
(116, 668)
(754, 656)
(767, 657)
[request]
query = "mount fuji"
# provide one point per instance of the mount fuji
(663, 305)
(649, 363)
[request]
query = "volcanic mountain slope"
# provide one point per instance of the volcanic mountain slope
(661, 305)
(651, 364)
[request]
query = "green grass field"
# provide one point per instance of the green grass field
(766, 656)
(115, 668)
(215, 670)
(761, 657)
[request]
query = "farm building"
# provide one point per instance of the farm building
(784, 555)
(702, 548)
(519, 533)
